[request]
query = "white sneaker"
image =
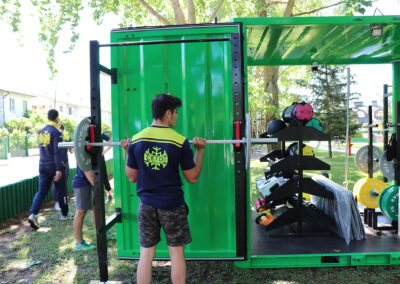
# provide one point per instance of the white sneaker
(33, 219)
(57, 207)
(68, 217)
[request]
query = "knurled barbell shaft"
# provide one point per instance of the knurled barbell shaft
(233, 141)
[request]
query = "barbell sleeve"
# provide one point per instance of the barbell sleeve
(390, 124)
(232, 141)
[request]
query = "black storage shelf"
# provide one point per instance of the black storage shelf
(292, 215)
(299, 213)
(309, 163)
(290, 188)
(293, 133)
(277, 154)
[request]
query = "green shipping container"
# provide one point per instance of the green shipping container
(206, 66)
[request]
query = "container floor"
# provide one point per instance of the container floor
(283, 241)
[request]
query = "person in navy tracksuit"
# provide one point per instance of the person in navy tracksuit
(50, 168)
(65, 163)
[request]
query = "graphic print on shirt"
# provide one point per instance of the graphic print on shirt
(155, 158)
(44, 138)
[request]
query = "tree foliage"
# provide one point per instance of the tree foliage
(328, 88)
(56, 16)
(268, 93)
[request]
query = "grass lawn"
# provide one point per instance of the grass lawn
(52, 247)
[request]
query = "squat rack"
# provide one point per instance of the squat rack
(238, 129)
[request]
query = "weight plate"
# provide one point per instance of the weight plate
(382, 195)
(390, 203)
(387, 167)
(356, 186)
(83, 158)
(361, 159)
(369, 191)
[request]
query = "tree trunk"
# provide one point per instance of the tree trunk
(179, 16)
(191, 12)
(271, 75)
(330, 149)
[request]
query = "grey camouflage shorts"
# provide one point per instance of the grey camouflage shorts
(174, 223)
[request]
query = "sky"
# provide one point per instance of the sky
(24, 67)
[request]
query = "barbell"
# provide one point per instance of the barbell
(84, 158)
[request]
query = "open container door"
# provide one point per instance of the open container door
(202, 65)
(324, 41)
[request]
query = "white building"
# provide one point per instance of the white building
(66, 106)
(14, 105)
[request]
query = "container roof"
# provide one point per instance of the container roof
(325, 40)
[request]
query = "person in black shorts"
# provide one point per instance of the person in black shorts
(154, 156)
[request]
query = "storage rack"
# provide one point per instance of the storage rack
(299, 163)
(370, 215)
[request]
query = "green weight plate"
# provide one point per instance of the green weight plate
(390, 203)
(82, 157)
(361, 158)
(386, 197)
(383, 194)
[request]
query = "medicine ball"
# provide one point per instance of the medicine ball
(275, 126)
(315, 123)
(298, 113)
(292, 150)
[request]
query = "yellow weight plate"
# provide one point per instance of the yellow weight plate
(357, 186)
(369, 191)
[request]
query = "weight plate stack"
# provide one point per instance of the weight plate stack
(382, 195)
(389, 204)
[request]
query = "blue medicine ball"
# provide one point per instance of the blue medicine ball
(275, 126)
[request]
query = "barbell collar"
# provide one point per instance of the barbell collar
(232, 141)
(372, 125)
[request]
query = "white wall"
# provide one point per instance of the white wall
(18, 109)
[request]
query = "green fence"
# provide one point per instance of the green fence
(362, 140)
(33, 141)
(17, 198)
(18, 146)
(4, 147)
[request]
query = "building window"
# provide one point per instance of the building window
(70, 110)
(61, 109)
(24, 105)
(12, 104)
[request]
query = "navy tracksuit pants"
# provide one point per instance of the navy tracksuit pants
(46, 175)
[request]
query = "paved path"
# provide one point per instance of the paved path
(16, 169)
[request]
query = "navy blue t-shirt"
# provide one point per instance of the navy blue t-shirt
(80, 179)
(157, 152)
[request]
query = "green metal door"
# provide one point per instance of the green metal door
(193, 63)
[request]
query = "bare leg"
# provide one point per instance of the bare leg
(78, 224)
(143, 274)
(178, 264)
